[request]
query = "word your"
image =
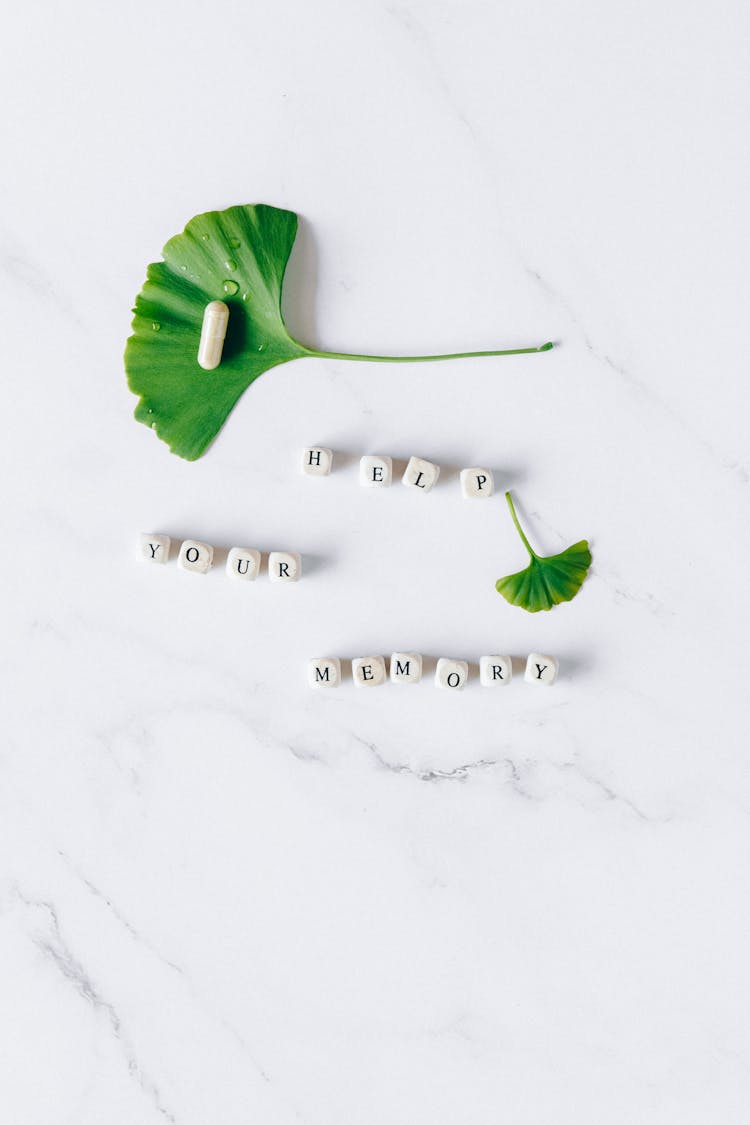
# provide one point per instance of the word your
(451, 675)
(377, 472)
(242, 562)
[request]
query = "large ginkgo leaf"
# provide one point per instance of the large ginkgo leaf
(547, 580)
(237, 256)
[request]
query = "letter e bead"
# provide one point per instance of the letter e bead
(375, 472)
(368, 671)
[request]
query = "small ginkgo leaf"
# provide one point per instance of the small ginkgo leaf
(547, 580)
(237, 256)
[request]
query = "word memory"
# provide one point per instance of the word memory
(451, 675)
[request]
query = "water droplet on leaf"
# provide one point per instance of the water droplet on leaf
(155, 325)
(234, 243)
(230, 287)
(206, 237)
(261, 347)
(230, 264)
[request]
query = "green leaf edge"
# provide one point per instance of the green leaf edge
(141, 412)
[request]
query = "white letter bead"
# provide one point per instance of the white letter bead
(368, 671)
(244, 563)
(213, 331)
(420, 474)
(375, 472)
(541, 669)
(324, 671)
(317, 461)
(451, 673)
(195, 556)
(495, 671)
(406, 668)
(154, 547)
(283, 566)
(477, 483)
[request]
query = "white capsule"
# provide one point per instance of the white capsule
(215, 320)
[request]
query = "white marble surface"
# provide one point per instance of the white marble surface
(226, 898)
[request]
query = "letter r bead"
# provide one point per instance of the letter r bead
(284, 566)
(495, 671)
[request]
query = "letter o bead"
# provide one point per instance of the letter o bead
(324, 671)
(451, 674)
(195, 556)
(541, 669)
(368, 671)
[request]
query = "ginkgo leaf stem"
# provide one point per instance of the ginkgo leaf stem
(424, 358)
(519, 529)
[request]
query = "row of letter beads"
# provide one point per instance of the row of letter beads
(406, 668)
(377, 472)
(242, 562)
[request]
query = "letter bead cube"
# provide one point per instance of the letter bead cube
(375, 472)
(541, 669)
(420, 474)
(317, 461)
(195, 556)
(243, 563)
(495, 671)
(368, 671)
(324, 671)
(477, 484)
(283, 566)
(451, 674)
(406, 668)
(154, 547)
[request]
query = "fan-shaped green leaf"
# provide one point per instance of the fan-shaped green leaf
(546, 581)
(237, 256)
